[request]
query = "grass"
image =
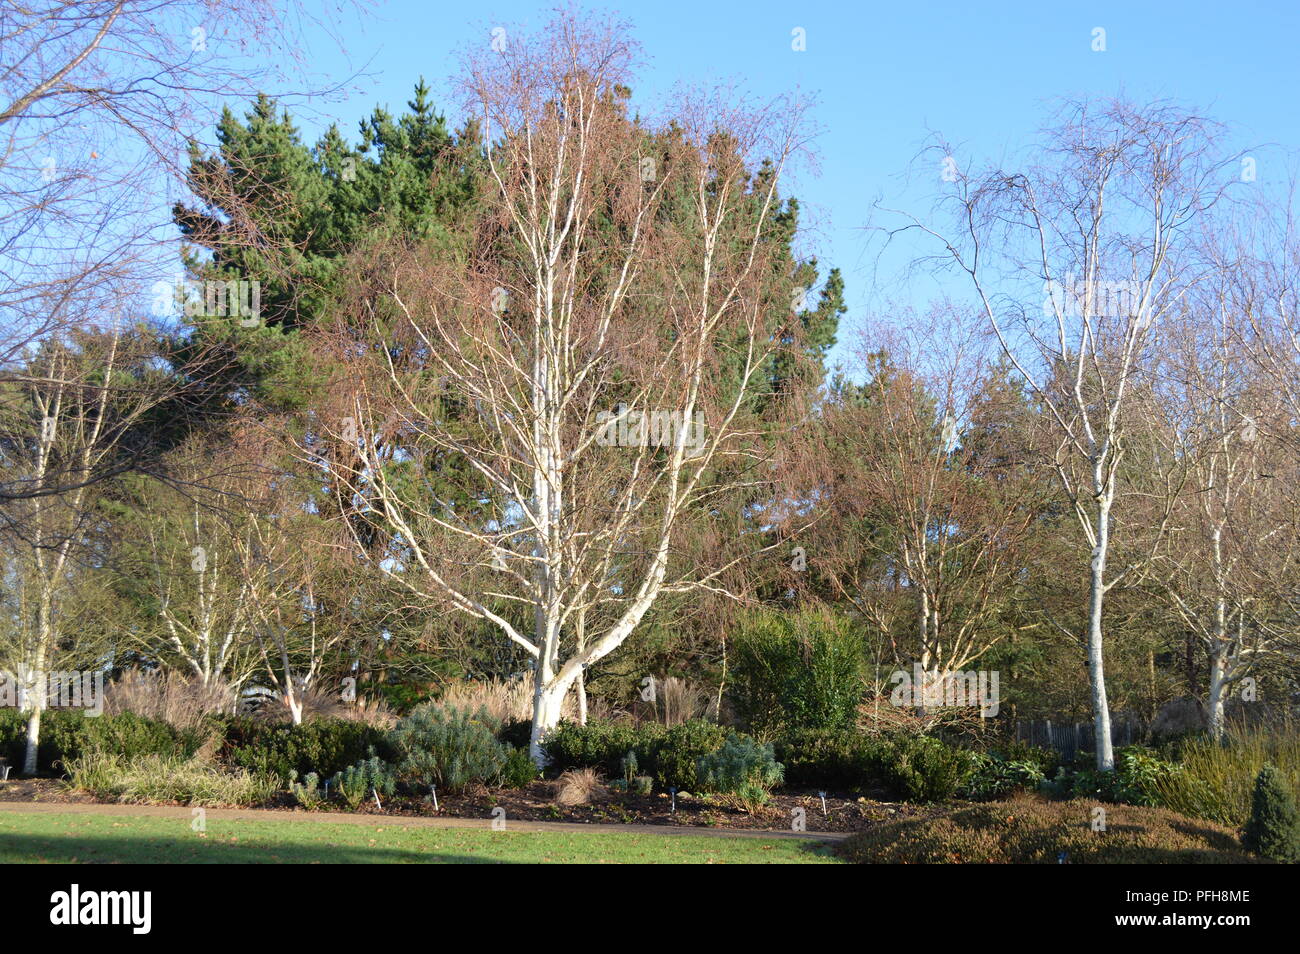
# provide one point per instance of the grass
(81, 838)
(1217, 781)
(156, 780)
(1029, 830)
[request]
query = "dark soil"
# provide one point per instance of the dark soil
(843, 812)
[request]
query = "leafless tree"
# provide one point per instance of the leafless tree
(1074, 261)
(601, 342)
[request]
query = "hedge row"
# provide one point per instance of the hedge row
(905, 767)
(910, 768)
(668, 755)
(323, 746)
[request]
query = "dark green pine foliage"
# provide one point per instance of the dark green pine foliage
(1274, 828)
(271, 209)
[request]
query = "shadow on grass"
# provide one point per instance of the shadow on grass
(57, 849)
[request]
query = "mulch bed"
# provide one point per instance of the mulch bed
(843, 812)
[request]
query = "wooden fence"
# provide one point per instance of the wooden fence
(1069, 738)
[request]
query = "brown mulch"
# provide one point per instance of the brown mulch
(843, 812)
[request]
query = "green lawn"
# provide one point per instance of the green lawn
(88, 838)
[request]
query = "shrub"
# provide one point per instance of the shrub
(449, 747)
(357, 781)
(673, 757)
(323, 746)
(668, 755)
(520, 769)
(993, 777)
(830, 759)
(1274, 828)
(1139, 778)
(920, 768)
(307, 792)
(600, 745)
(155, 779)
(795, 671)
(70, 733)
(1029, 831)
(1047, 761)
(1217, 780)
(742, 768)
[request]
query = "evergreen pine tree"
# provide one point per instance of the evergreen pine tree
(1274, 827)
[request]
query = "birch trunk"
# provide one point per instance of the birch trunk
(1096, 666)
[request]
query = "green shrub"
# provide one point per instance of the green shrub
(1274, 828)
(70, 733)
(1047, 761)
(742, 768)
(520, 769)
(1139, 778)
(1217, 780)
(796, 671)
(673, 757)
(307, 792)
(993, 777)
(920, 768)
(599, 745)
(843, 759)
(323, 746)
(357, 781)
(668, 755)
(449, 747)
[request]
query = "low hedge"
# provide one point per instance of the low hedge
(69, 734)
(323, 746)
(1032, 831)
(838, 759)
(669, 755)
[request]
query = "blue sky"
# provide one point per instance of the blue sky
(885, 76)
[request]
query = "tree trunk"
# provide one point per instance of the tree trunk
(548, 703)
(581, 684)
(1096, 667)
(33, 740)
(1215, 700)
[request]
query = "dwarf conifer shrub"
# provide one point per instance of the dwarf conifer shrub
(1274, 829)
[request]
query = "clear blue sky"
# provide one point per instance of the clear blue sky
(885, 76)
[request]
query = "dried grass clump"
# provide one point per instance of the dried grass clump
(676, 701)
(506, 700)
(579, 787)
(318, 703)
(168, 697)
